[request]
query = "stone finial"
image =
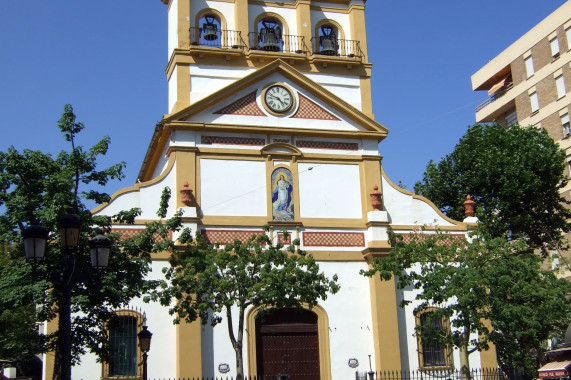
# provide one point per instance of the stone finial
(376, 198)
(186, 194)
(469, 206)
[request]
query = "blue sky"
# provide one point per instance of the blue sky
(107, 59)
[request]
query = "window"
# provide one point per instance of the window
(529, 66)
(123, 339)
(565, 125)
(568, 34)
(431, 352)
(554, 43)
(560, 84)
(534, 102)
(511, 118)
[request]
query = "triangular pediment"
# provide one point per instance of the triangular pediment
(315, 108)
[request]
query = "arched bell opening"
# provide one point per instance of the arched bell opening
(208, 30)
(270, 35)
(328, 42)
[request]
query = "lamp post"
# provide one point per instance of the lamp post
(145, 345)
(64, 276)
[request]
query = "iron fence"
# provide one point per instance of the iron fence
(226, 39)
(440, 374)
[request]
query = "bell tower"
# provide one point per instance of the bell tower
(212, 44)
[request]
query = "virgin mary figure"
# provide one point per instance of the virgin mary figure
(281, 199)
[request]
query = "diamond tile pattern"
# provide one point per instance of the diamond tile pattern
(326, 145)
(126, 233)
(309, 110)
(228, 140)
(244, 106)
(408, 237)
(228, 236)
(333, 239)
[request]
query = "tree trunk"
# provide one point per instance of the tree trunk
(464, 355)
(236, 343)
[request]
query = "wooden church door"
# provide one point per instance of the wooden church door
(287, 345)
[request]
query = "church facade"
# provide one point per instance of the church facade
(270, 123)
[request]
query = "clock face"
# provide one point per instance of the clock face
(278, 99)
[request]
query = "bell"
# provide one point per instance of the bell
(270, 42)
(328, 46)
(209, 29)
(328, 40)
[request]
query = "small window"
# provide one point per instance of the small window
(529, 66)
(511, 118)
(534, 102)
(568, 34)
(431, 352)
(270, 35)
(565, 125)
(554, 43)
(328, 43)
(560, 84)
(123, 340)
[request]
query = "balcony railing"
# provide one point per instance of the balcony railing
(226, 39)
(336, 48)
(495, 96)
(276, 43)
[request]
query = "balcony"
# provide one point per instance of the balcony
(336, 48)
(211, 41)
(495, 96)
(266, 45)
(269, 45)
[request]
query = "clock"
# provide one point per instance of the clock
(278, 99)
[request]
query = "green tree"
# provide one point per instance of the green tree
(38, 188)
(513, 174)
(208, 281)
(491, 280)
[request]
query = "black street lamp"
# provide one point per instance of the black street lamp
(35, 239)
(145, 345)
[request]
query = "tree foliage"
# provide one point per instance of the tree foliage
(209, 282)
(37, 188)
(492, 280)
(513, 174)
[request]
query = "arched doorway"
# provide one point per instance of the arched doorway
(287, 345)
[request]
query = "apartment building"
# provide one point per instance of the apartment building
(529, 82)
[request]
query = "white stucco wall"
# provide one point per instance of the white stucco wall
(345, 87)
(404, 209)
(147, 198)
(233, 188)
(172, 34)
(206, 80)
(329, 191)
(172, 88)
